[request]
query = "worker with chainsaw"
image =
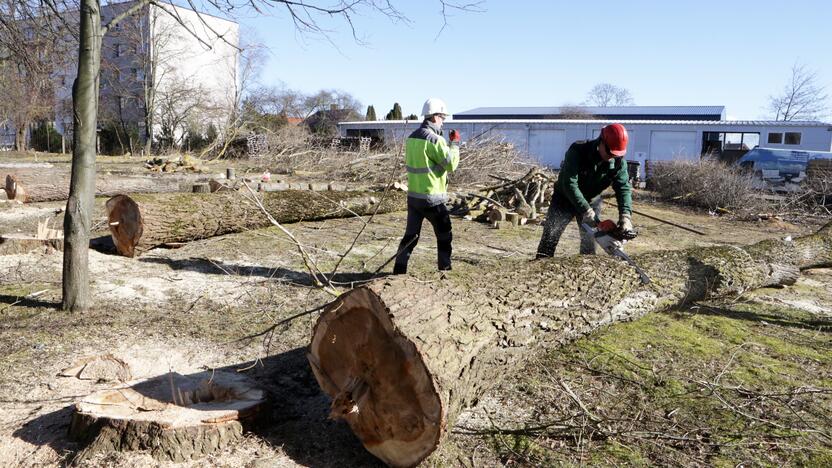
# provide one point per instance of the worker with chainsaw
(589, 167)
(428, 160)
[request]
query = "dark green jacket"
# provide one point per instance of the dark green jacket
(584, 175)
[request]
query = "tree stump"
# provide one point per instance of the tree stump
(401, 358)
(174, 417)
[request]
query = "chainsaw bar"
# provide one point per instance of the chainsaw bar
(615, 252)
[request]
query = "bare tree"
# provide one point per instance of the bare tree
(801, 99)
(304, 15)
(570, 111)
(327, 98)
(32, 56)
(177, 105)
(606, 94)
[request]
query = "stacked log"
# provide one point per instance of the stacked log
(141, 222)
(401, 358)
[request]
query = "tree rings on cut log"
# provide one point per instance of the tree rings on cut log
(11, 187)
(125, 220)
(377, 380)
(172, 416)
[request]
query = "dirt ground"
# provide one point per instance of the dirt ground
(745, 381)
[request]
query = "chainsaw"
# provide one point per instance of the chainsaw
(612, 239)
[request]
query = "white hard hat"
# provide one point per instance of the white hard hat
(434, 106)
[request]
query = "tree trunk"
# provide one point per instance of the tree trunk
(141, 222)
(53, 184)
(20, 138)
(79, 206)
(401, 358)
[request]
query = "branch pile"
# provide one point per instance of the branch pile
(512, 201)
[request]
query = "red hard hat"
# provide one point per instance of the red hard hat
(616, 138)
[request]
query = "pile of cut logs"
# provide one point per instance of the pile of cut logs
(509, 203)
(178, 164)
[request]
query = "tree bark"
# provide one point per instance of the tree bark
(173, 417)
(79, 205)
(141, 222)
(401, 358)
(53, 184)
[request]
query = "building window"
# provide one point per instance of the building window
(775, 138)
(716, 142)
(792, 138)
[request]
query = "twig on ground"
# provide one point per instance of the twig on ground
(311, 266)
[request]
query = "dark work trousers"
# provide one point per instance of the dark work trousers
(418, 210)
(560, 214)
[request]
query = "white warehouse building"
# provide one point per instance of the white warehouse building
(679, 132)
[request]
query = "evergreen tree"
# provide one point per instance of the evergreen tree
(412, 117)
(395, 113)
(45, 138)
(371, 113)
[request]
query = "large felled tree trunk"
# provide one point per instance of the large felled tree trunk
(401, 358)
(51, 185)
(140, 222)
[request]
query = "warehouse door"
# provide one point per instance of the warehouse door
(666, 146)
(547, 146)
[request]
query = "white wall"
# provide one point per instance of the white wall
(548, 140)
(198, 58)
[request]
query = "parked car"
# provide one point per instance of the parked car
(776, 165)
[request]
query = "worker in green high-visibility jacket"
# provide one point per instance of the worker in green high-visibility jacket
(429, 159)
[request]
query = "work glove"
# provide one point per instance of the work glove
(625, 226)
(455, 137)
(589, 217)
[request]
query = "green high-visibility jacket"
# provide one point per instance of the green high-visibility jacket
(584, 175)
(429, 159)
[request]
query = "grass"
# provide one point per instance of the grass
(716, 384)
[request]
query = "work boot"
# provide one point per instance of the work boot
(399, 269)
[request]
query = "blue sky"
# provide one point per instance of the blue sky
(549, 53)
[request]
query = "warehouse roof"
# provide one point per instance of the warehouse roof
(749, 123)
(618, 112)
(684, 110)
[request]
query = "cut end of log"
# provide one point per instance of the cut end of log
(125, 221)
(173, 416)
(377, 379)
(13, 189)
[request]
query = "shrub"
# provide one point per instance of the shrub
(45, 138)
(703, 184)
